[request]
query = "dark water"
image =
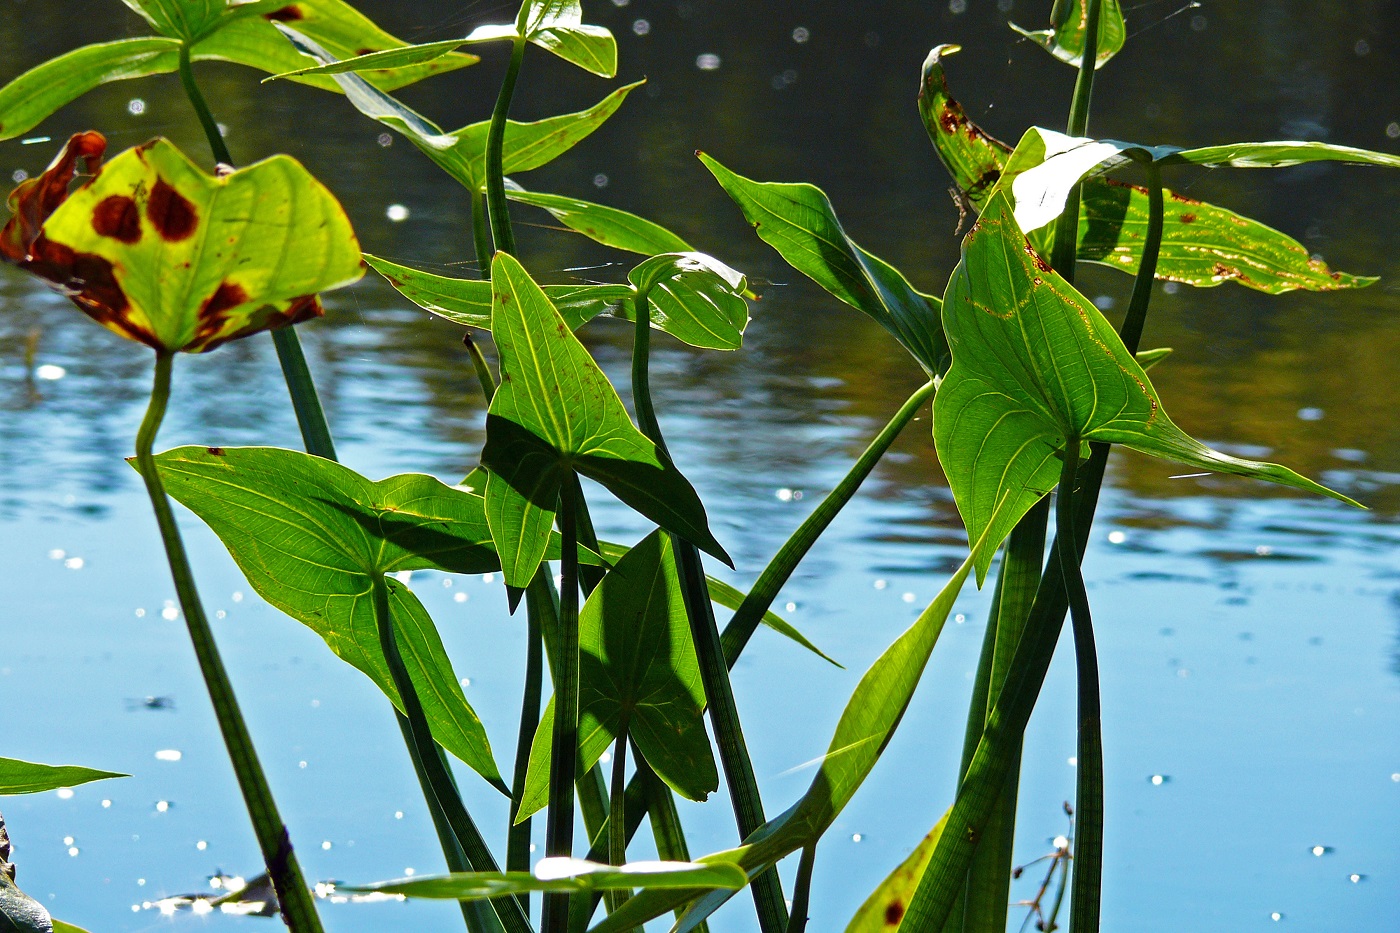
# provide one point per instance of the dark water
(1248, 636)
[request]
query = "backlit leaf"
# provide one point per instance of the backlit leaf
(638, 671)
(607, 225)
(27, 777)
(337, 27)
(557, 26)
(1202, 245)
(374, 61)
(695, 297)
(187, 20)
(556, 411)
(1035, 363)
(884, 908)
(310, 535)
(1066, 36)
(567, 875)
(29, 99)
(798, 221)
(157, 250)
(870, 718)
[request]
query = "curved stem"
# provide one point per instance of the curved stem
(714, 672)
(1088, 836)
(483, 369)
(802, 892)
(1067, 225)
(298, 909)
(1133, 321)
(444, 789)
(765, 589)
(201, 109)
(559, 829)
(495, 159)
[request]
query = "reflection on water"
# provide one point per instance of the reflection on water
(1249, 644)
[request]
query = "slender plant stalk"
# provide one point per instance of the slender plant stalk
(1088, 836)
(294, 899)
(468, 837)
(518, 836)
(559, 831)
(1054, 915)
(617, 814)
(483, 369)
(316, 437)
(495, 161)
(765, 589)
(481, 233)
(801, 893)
(1067, 225)
(983, 904)
(714, 672)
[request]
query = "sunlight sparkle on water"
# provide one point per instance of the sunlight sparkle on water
(396, 213)
(707, 62)
(50, 372)
(169, 754)
(64, 793)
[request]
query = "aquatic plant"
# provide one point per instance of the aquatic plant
(1029, 384)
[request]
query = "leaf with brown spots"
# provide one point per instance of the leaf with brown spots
(161, 252)
(37, 198)
(1034, 365)
(884, 908)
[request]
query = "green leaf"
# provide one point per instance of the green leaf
(556, 411)
(1036, 364)
(798, 221)
(870, 718)
(1150, 358)
(187, 20)
(32, 97)
(374, 61)
(310, 535)
(606, 225)
(972, 156)
(884, 908)
(1277, 155)
(60, 927)
(1069, 28)
(27, 777)
(637, 671)
(468, 301)
(161, 252)
(694, 297)
(335, 26)
(731, 597)
(1202, 245)
(557, 26)
(462, 154)
(568, 875)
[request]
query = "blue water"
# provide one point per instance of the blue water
(1248, 639)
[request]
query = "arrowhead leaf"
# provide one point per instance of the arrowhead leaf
(157, 250)
(1065, 37)
(1035, 364)
(556, 411)
(557, 26)
(798, 221)
(1202, 245)
(310, 535)
(637, 670)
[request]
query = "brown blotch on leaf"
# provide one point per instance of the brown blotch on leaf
(951, 117)
(171, 213)
(37, 198)
(894, 913)
(216, 451)
(227, 296)
(1188, 218)
(365, 52)
(288, 14)
(1040, 263)
(91, 283)
(117, 216)
(1183, 199)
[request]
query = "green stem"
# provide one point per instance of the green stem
(311, 419)
(1067, 225)
(559, 831)
(714, 672)
(1088, 837)
(1050, 918)
(201, 109)
(518, 836)
(1133, 321)
(801, 893)
(617, 814)
(444, 789)
(749, 615)
(483, 369)
(481, 233)
(495, 159)
(297, 908)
